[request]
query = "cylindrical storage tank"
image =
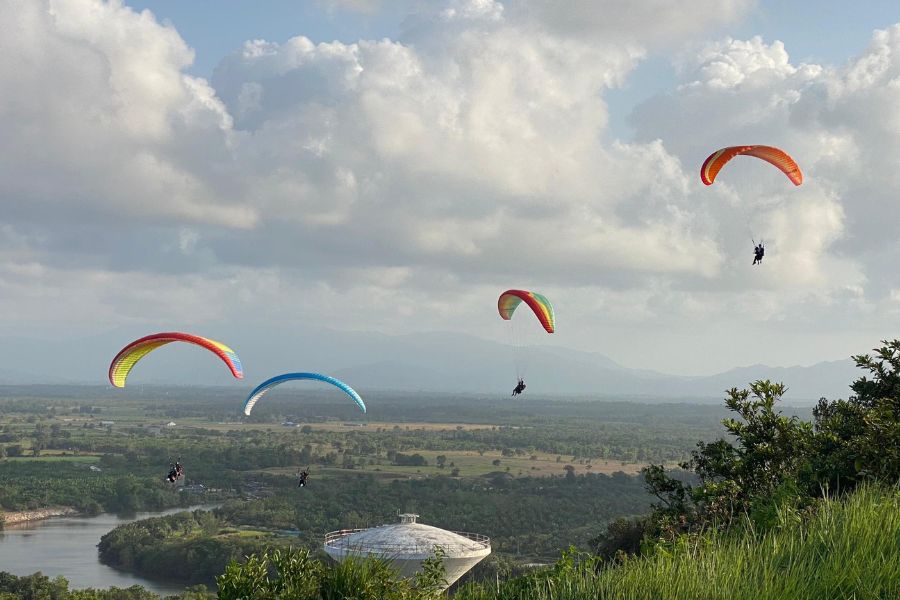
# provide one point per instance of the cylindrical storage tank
(407, 543)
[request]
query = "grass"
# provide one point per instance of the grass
(849, 549)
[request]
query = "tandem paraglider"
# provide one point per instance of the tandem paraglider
(520, 387)
(759, 251)
(176, 472)
(774, 156)
(302, 475)
(507, 304)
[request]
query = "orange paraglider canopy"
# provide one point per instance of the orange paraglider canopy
(781, 159)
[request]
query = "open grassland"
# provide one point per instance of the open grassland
(474, 464)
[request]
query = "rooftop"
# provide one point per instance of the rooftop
(407, 539)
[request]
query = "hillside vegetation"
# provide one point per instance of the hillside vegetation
(781, 507)
(848, 549)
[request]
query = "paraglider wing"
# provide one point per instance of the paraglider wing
(510, 300)
(781, 159)
(265, 386)
(129, 355)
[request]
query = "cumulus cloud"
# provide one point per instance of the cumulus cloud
(416, 176)
(651, 22)
(97, 119)
(841, 123)
(473, 149)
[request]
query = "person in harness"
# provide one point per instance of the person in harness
(520, 387)
(175, 473)
(758, 252)
(303, 475)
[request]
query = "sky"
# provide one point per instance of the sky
(393, 166)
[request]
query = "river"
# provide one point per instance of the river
(67, 546)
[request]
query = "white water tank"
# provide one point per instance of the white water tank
(407, 543)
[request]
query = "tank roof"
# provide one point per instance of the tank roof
(407, 538)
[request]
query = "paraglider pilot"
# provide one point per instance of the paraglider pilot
(520, 387)
(758, 252)
(303, 475)
(175, 472)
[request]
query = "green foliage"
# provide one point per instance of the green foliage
(769, 450)
(292, 574)
(623, 537)
(859, 439)
(847, 549)
(188, 546)
(774, 462)
(40, 587)
(32, 484)
(527, 516)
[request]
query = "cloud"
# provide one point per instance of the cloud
(472, 149)
(651, 22)
(398, 184)
(841, 123)
(97, 120)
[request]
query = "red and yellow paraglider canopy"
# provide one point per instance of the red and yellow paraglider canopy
(129, 355)
(540, 305)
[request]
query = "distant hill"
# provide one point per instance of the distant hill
(431, 362)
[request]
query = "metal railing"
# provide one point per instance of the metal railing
(339, 540)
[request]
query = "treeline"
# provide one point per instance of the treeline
(530, 518)
(781, 508)
(846, 549)
(29, 485)
(773, 466)
(40, 587)
(189, 546)
(252, 449)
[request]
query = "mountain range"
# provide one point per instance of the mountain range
(427, 362)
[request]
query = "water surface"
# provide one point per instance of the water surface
(67, 546)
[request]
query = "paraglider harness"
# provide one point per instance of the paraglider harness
(758, 252)
(175, 473)
(520, 387)
(303, 475)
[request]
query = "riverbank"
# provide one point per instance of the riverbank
(26, 516)
(67, 546)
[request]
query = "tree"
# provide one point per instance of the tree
(623, 537)
(859, 438)
(769, 451)
(440, 460)
(775, 462)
